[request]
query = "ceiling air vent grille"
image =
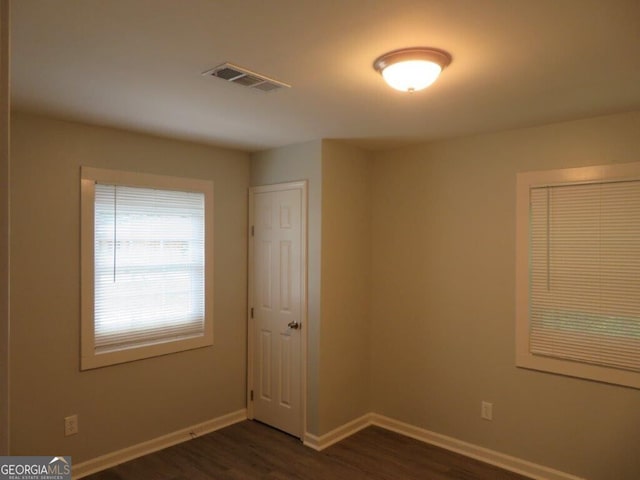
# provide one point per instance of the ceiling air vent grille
(235, 74)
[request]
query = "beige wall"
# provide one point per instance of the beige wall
(121, 405)
(443, 300)
(4, 227)
(411, 294)
(302, 162)
(346, 277)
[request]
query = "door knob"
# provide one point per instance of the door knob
(293, 325)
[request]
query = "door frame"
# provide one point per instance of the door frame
(302, 186)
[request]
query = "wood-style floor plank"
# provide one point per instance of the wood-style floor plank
(250, 450)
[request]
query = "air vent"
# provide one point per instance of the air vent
(234, 74)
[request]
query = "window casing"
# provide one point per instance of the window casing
(146, 265)
(578, 272)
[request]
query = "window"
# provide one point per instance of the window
(578, 272)
(147, 265)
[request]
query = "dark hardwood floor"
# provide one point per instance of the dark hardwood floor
(250, 450)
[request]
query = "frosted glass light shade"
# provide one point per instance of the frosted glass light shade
(412, 75)
(412, 69)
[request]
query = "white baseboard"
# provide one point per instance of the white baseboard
(340, 433)
(507, 462)
(485, 455)
(112, 459)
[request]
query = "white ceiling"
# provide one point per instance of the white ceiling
(136, 64)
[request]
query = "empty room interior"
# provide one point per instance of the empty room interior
(373, 257)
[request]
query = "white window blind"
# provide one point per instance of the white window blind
(149, 266)
(584, 273)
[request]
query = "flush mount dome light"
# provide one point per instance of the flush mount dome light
(412, 69)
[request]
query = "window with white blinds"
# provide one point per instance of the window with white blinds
(147, 245)
(583, 276)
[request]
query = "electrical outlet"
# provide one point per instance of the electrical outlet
(486, 410)
(70, 425)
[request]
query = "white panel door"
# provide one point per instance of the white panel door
(277, 302)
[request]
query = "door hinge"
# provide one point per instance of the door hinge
(251, 395)
(251, 312)
(253, 232)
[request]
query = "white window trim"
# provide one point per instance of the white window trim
(89, 176)
(525, 359)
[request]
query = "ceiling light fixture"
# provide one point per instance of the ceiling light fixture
(412, 69)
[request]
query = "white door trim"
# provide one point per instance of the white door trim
(302, 186)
